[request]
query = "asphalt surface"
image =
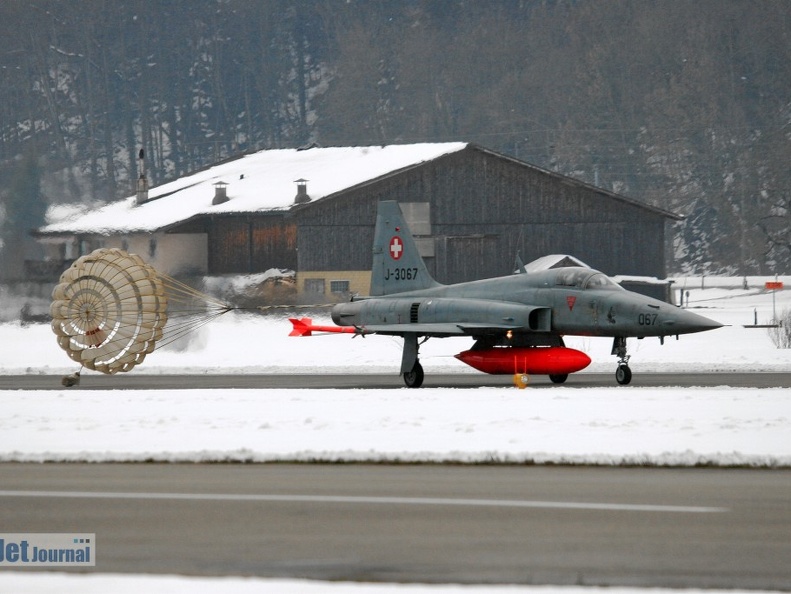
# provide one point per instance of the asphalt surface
(697, 528)
(679, 528)
(140, 381)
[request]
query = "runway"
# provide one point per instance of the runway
(141, 381)
(699, 528)
(646, 527)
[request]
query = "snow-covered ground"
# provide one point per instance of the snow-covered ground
(610, 425)
(58, 583)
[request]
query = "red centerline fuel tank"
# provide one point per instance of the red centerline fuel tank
(554, 360)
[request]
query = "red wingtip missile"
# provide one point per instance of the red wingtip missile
(305, 327)
(532, 360)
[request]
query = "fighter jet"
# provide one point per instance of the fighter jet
(517, 322)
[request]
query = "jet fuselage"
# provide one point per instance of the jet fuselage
(563, 301)
(518, 321)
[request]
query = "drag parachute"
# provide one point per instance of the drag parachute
(110, 308)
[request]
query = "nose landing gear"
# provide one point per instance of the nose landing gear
(623, 375)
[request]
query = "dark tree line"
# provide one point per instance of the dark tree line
(683, 104)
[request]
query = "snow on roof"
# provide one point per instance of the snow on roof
(257, 182)
(553, 261)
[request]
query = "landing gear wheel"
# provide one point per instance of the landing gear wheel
(623, 375)
(558, 378)
(414, 378)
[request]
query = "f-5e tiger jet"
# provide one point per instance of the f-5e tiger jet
(517, 322)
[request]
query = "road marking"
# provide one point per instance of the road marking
(350, 499)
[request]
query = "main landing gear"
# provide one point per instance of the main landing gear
(414, 377)
(411, 369)
(623, 375)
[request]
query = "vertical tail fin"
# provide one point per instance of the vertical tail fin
(397, 265)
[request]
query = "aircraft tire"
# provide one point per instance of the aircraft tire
(558, 378)
(414, 378)
(623, 375)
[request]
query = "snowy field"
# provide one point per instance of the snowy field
(553, 424)
(58, 583)
(613, 425)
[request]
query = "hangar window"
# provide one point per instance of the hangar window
(86, 246)
(314, 285)
(339, 286)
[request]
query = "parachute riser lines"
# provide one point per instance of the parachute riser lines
(110, 309)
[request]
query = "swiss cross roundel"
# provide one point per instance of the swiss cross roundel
(396, 248)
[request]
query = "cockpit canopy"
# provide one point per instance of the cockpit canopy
(585, 278)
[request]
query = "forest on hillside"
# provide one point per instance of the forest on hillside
(682, 104)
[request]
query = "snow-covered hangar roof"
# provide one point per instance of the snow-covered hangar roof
(264, 182)
(261, 181)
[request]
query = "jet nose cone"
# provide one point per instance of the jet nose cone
(686, 322)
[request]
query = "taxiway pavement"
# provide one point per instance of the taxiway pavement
(141, 381)
(699, 528)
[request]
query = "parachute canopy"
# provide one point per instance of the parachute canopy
(109, 310)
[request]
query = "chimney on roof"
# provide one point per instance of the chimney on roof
(220, 194)
(302, 191)
(142, 182)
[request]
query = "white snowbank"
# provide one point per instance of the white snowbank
(57, 583)
(662, 426)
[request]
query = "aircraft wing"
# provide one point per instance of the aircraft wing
(439, 329)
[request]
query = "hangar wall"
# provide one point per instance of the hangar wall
(249, 243)
(484, 209)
